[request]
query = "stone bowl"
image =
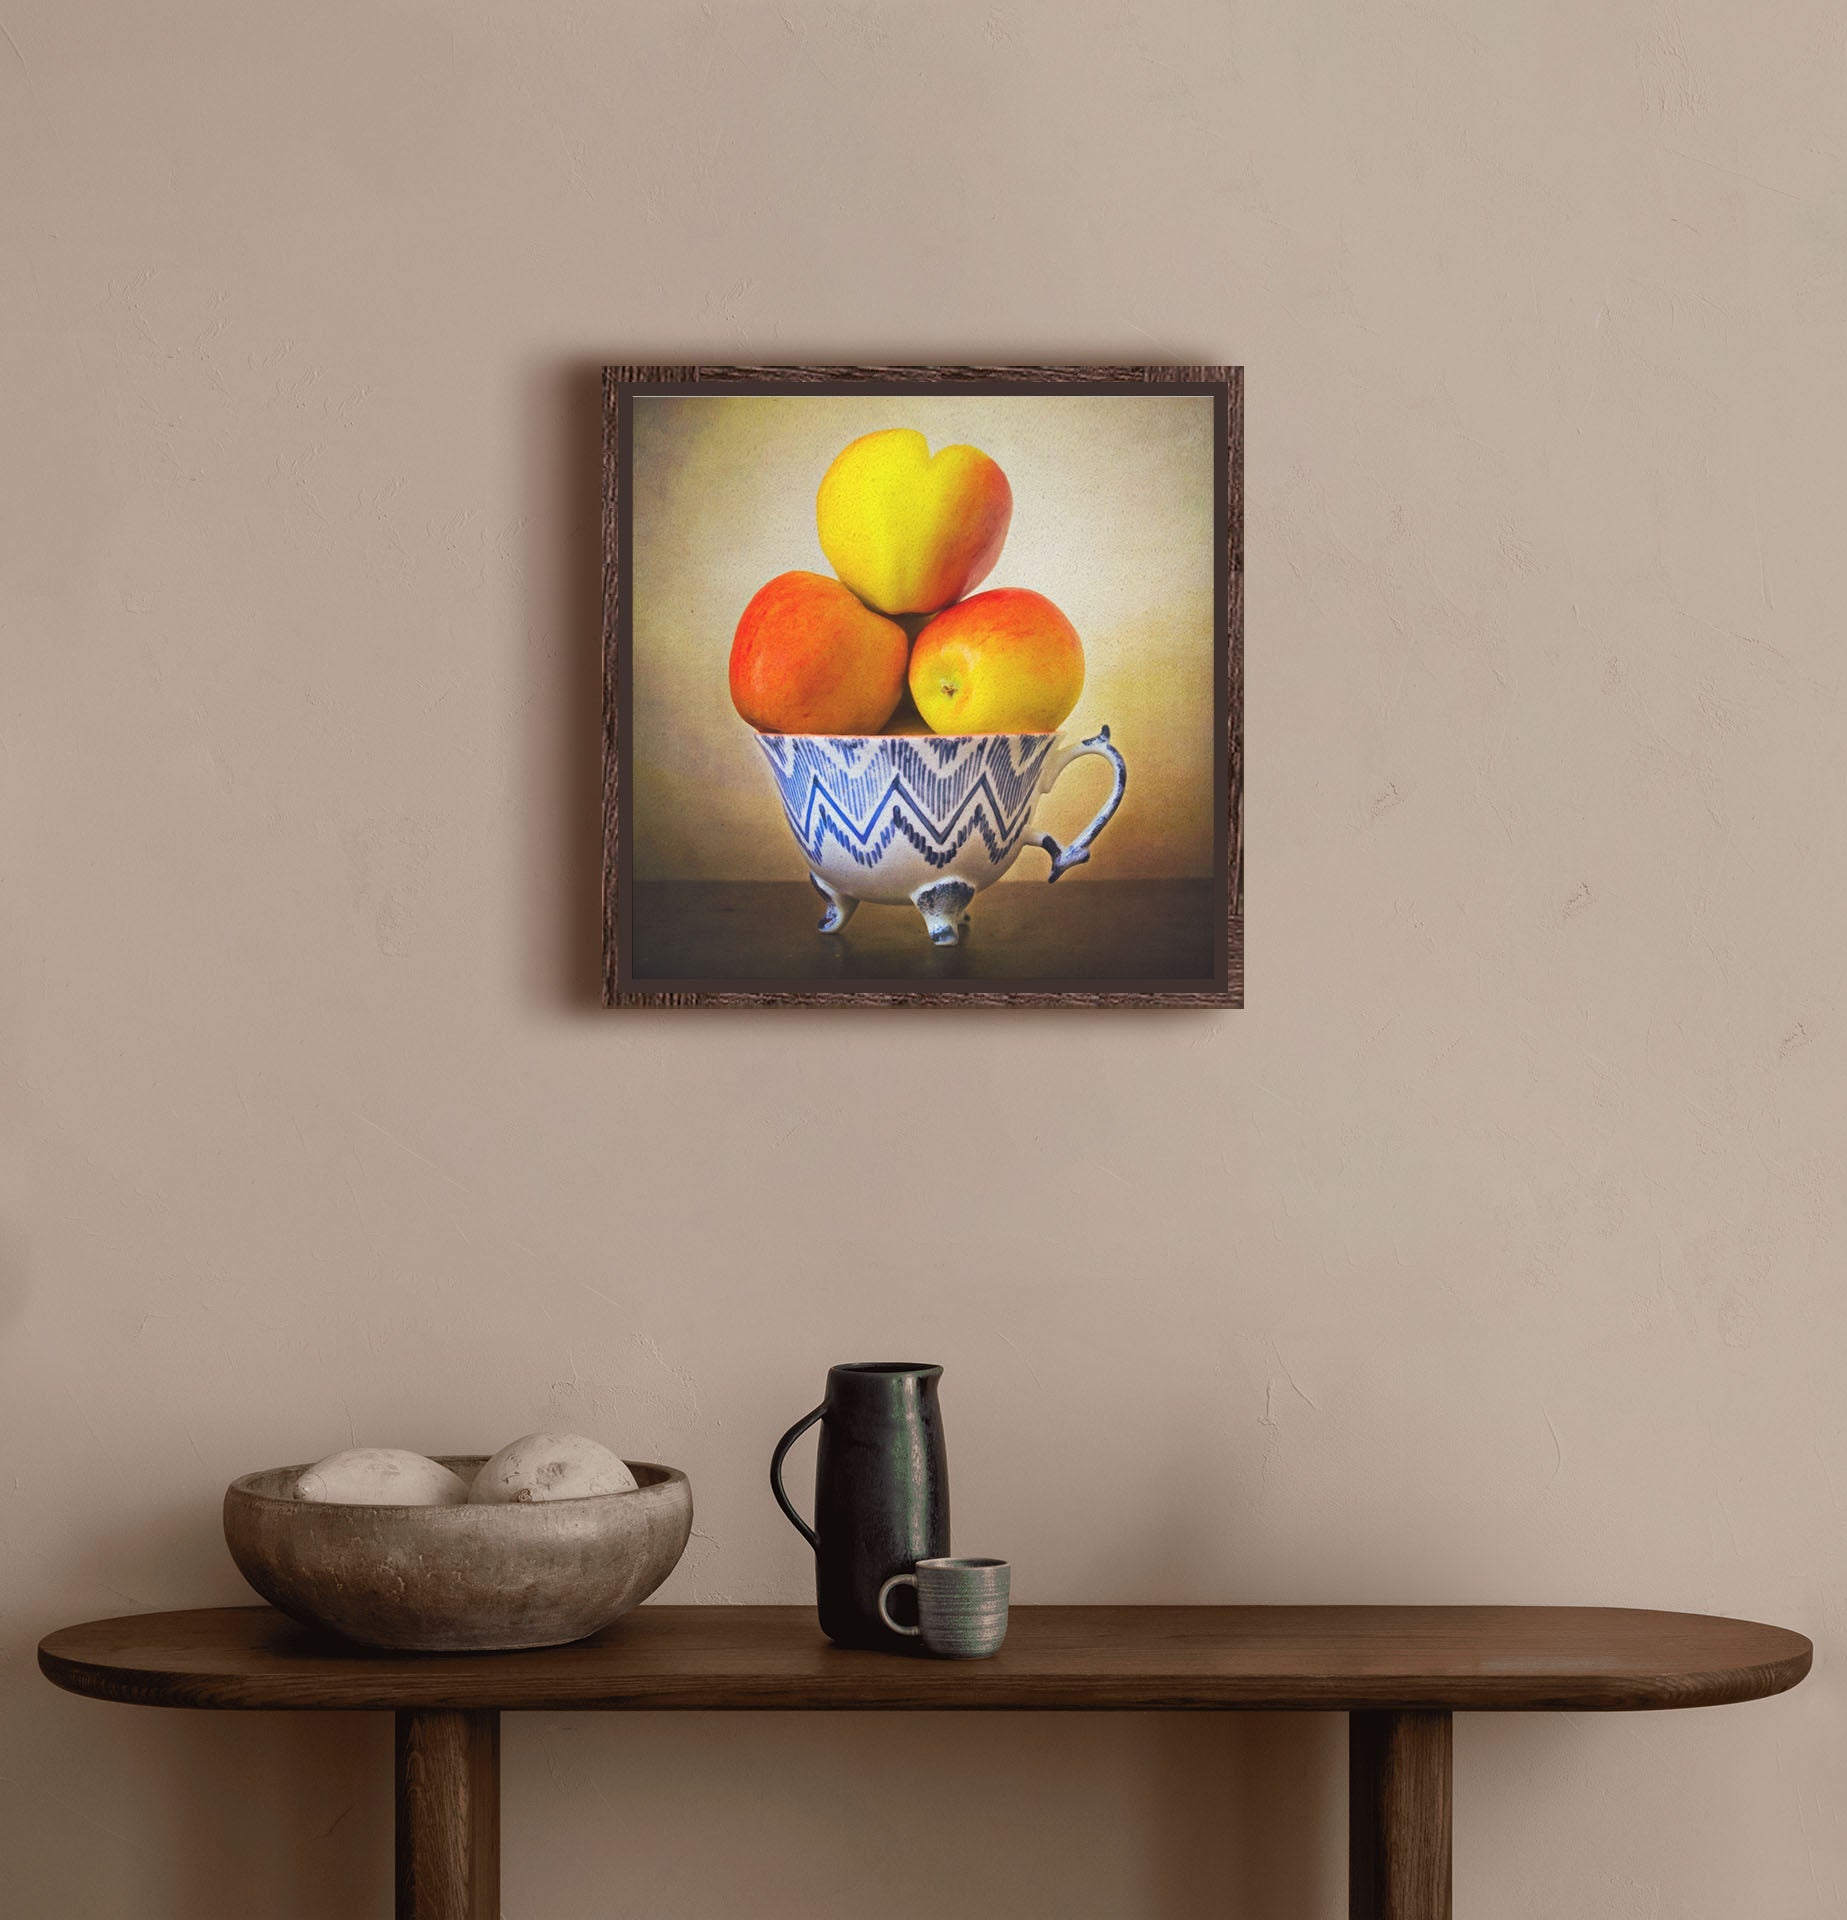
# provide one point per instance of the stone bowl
(465, 1579)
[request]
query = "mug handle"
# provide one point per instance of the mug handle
(1079, 850)
(897, 1580)
(782, 1447)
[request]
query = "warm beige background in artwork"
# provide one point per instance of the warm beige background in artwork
(1112, 521)
(1496, 1252)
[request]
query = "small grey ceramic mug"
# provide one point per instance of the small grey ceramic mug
(961, 1606)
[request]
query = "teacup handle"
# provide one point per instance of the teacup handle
(897, 1580)
(1079, 850)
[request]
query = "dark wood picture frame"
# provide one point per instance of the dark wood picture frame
(621, 384)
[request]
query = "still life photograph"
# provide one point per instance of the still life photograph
(923, 686)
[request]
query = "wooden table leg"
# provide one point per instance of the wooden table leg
(1398, 1813)
(448, 1814)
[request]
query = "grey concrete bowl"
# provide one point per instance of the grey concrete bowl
(459, 1579)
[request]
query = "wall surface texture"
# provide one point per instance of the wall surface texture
(1494, 1253)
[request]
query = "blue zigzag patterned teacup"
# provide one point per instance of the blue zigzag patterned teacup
(926, 818)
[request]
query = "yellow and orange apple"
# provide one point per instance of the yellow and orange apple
(808, 658)
(909, 531)
(1006, 661)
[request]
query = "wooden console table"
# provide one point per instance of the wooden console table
(1399, 1673)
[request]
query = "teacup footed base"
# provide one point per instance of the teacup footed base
(943, 903)
(944, 907)
(840, 907)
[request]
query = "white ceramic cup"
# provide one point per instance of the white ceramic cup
(930, 819)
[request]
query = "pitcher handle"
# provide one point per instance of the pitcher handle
(782, 1447)
(1079, 850)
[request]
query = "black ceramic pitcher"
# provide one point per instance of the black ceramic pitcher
(881, 1492)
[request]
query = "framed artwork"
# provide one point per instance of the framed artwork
(888, 649)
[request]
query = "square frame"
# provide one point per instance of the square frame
(621, 384)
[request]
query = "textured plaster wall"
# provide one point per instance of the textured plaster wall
(1496, 1252)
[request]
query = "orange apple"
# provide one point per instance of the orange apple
(1006, 661)
(808, 658)
(908, 530)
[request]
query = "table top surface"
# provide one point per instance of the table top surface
(1582, 1659)
(1104, 933)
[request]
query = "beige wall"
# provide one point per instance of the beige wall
(1112, 521)
(1496, 1252)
